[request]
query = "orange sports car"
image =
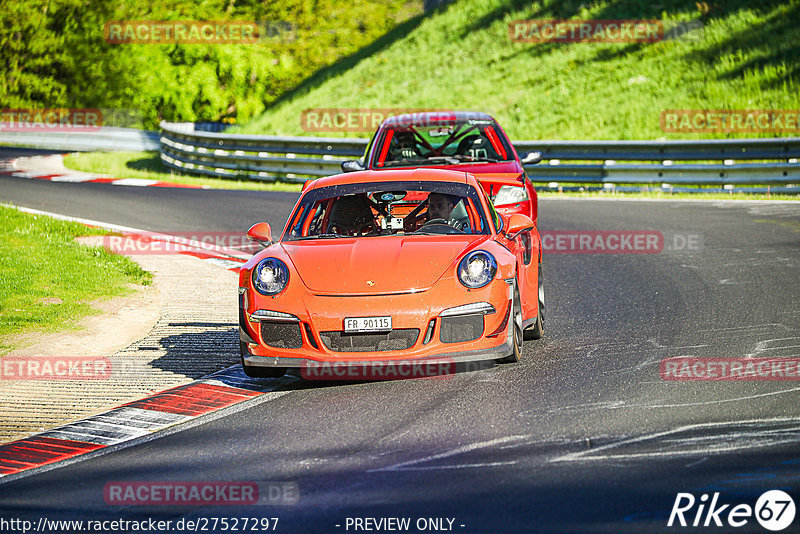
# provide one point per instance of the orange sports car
(376, 267)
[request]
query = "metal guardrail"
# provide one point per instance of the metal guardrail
(778, 161)
(123, 139)
(295, 159)
(706, 149)
(261, 157)
(721, 162)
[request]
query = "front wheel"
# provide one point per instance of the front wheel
(259, 372)
(516, 325)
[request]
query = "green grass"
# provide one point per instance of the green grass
(745, 56)
(48, 281)
(148, 165)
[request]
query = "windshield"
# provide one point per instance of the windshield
(388, 208)
(447, 143)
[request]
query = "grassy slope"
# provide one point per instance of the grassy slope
(47, 280)
(744, 57)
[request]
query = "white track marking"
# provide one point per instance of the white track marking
(139, 182)
(410, 465)
(734, 441)
(76, 178)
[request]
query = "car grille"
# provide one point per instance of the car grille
(281, 335)
(461, 329)
(397, 339)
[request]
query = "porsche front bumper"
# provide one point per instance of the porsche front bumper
(314, 323)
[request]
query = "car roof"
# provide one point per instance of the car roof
(417, 174)
(435, 116)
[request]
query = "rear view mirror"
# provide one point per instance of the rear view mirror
(517, 224)
(532, 158)
(352, 165)
(261, 233)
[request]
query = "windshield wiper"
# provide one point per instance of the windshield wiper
(452, 160)
(410, 161)
(464, 157)
(319, 236)
(449, 159)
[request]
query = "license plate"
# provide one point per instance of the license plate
(367, 324)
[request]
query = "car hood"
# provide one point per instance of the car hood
(373, 265)
(476, 168)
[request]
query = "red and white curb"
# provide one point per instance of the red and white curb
(227, 258)
(135, 421)
(139, 420)
(16, 167)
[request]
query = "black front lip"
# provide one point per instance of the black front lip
(493, 353)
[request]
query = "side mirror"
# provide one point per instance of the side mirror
(352, 165)
(261, 233)
(517, 224)
(532, 158)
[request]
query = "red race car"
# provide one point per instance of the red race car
(457, 140)
(376, 267)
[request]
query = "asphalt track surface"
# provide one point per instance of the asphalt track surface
(582, 436)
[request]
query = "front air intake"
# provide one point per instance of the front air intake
(281, 335)
(397, 339)
(460, 329)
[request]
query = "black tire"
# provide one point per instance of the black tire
(537, 330)
(259, 372)
(516, 323)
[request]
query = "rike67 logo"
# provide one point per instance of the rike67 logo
(774, 510)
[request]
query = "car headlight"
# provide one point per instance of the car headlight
(477, 269)
(270, 276)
